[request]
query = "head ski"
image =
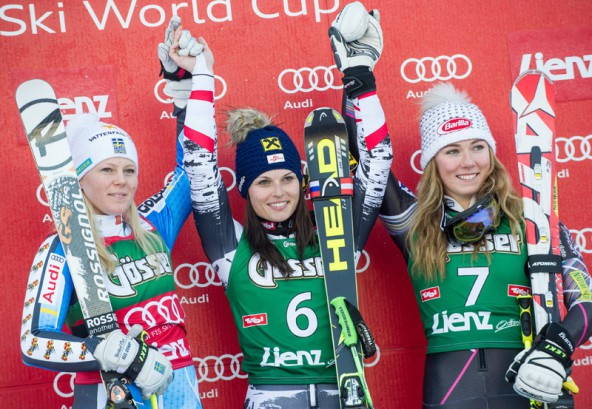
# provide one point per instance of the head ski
(331, 188)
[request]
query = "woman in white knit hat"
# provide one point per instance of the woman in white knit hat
(463, 240)
(133, 245)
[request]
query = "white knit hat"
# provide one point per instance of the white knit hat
(92, 141)
(448, 116)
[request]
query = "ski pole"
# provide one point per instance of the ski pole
(154, 401)
(525, 305)
(350, 339)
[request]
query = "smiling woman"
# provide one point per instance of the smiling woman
(270, 267)
(133, 245)
(464, 243)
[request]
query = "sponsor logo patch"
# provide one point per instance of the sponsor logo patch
(254, 320)
(514, 290)
(275, 158)
(271, 144)
(431, 293)
(453, 125)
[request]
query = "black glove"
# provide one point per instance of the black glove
(539, 372)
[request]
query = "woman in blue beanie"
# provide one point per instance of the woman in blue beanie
(271, 268)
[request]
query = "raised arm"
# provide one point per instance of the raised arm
(218, 231)
(357, 42)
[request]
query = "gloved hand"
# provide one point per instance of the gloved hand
(151, 371)
(178, 84)
(539, 372)
(356, 37)
(357, 42)
(202, 64)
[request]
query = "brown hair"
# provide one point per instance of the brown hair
(259, 241)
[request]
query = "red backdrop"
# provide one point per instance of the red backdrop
(274, 55)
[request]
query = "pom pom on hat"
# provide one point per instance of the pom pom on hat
(448, 116)
(92, 141)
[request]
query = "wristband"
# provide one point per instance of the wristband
(358, 81)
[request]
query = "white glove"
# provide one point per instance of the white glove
(539, 372)
(168, 64)
(188, 45)
(178, 84)
(356, 37)
(148, 368)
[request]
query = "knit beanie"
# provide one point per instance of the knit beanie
(92, 141)
(448, 116)
(265, 149)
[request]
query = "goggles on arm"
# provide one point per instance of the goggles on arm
(470, 225)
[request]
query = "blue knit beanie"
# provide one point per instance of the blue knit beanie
(265, 149)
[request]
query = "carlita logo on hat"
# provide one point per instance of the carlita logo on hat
(271, 144)
(453, 125)
(118, 145)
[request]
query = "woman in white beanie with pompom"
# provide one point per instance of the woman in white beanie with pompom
(463, 239)
(133, 245)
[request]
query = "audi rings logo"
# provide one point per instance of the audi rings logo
(576, 148)
(587, 344)
(415, 162)
(307, 79)
(375, 359)
(583, 238)
(64, 387)
(360, 268)
(215, 368)
(160, 95)
(232, 184)
(165, 309)
(40, 193)
(196, 275)
(429, 69)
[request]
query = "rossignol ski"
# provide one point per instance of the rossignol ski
(331, 188)
(533, 107)
(42, 120)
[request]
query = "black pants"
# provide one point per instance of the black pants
(472, 379)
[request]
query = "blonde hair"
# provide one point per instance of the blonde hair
(148, 241)
(428, 243)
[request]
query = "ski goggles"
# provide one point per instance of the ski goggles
(470, 225)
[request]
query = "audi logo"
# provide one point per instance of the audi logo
(429, 69)
(582, 238)
(166, 309)
(576, 148)
(165, 99)
(195, 275)
(307, 79)
(215, 368)
(68, 382)
(40, 192)
(415, 162)
(375, 359)
(587, 344)
(360, 268)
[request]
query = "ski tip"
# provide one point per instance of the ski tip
(532, 72)
(322, 114)
(32, 90)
